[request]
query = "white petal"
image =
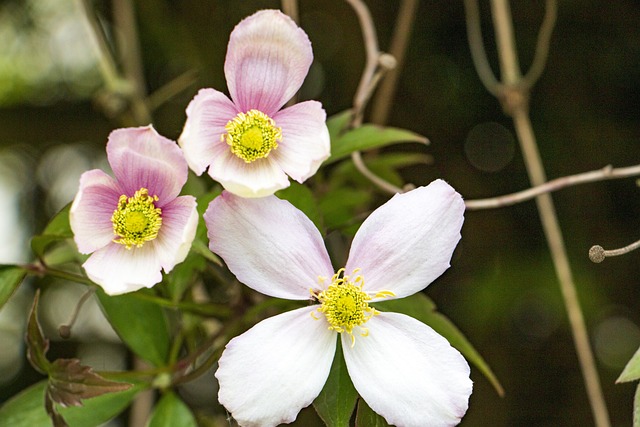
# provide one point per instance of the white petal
(407, 243)
(207, 114)
(408, 373)
(272, 371)
(119, 270)
(179, 224)
(259, 178)
(91, 211)
(268, 244)
(268, 57)
(305, 139)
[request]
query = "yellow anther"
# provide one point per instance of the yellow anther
(136, 220)
(252, 135)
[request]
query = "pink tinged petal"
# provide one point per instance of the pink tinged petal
(272, 371)
(305, 139)
(207, 114)
(140, 157)
(407, 243)
(179, 224)
(119, 270)
(91, 211)
(408, 373)
(260, 178)
(268, 57)
(268, 244)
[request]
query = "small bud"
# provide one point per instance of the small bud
(65, 332)
(596, 254)
(388, 61)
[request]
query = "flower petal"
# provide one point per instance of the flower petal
(207, 114)
(408, 373)
(272, 371)
(119, 270)
(268, 244)
(260, 178)
(407, 243)
(268, 57)
(179, 224)
(140, 157)
(91, 211)
(305, 139)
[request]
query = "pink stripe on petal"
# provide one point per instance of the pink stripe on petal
(407, 243)
(305, 139)
(268, 57)
(91, 211)
(179, 224)
(207, 115)
(140, 157)
(268, 244)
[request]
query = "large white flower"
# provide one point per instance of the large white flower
(248, 143)
(403, 369)
(135, 225)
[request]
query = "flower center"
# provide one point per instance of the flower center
(136, 220)
(345, 304)
(252, 135)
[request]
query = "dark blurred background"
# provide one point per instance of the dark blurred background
(501, 290)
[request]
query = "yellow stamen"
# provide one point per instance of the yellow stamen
(252, 135)
(345, 305)
(136, 220)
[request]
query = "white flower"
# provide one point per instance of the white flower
(404, 370)
(249, 143)
(134, 225)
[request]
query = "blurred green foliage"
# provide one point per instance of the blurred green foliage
(501, 290)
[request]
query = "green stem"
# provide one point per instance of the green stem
(209, 309)
(518, 109)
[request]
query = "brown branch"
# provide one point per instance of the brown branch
(542, 46)
(597, 253)
(476, 46)
(131, 55)
(514, 96)
(606, 173)
(385, 94)
(375, 65)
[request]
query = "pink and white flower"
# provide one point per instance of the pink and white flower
(136, 224)
(248, 143)
(403, 369)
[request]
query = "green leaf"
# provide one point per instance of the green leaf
(384, 165)
(99, 410)
(70, 383)
(365, 417)
(184, 274)
(337, 124)
(636, 408)
(631, 371)
(57, 229)
(26, 409)
(10, 278)
(37, 344)
(341, 206)
(419, 306)
(140, 324)
(369, 136)
(302, 198)
(171, 411)
(337, 400)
